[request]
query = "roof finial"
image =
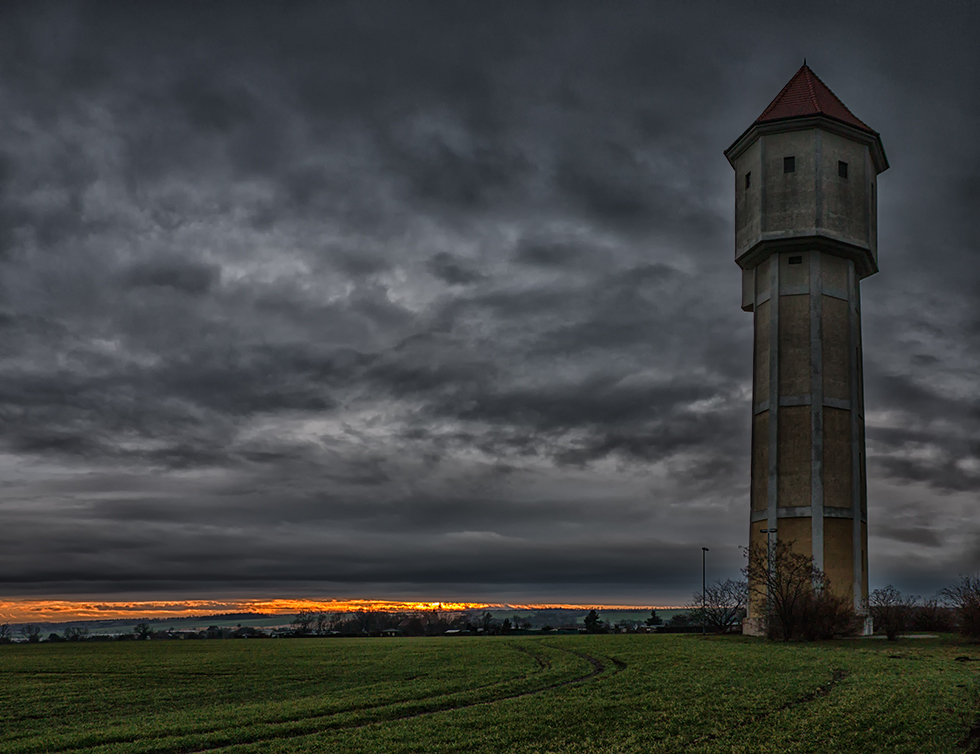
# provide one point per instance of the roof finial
(804, 61)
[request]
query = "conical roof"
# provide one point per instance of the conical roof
(805, 96)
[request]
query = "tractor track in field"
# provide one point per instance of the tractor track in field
(837, 675)
(598, 668)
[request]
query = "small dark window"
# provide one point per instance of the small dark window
(789, 164)
(748, 180)
(796, 260)
(842, 169)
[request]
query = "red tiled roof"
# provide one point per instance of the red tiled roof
(806, 95)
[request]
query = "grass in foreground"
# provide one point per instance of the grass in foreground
(632, 693)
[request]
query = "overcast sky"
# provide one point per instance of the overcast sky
(438, 300)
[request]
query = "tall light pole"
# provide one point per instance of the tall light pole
(768, 533)
(704, 613)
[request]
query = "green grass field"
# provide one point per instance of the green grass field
(622, 693)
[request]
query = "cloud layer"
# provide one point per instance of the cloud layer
(426, 301)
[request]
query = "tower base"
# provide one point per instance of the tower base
(752, 627)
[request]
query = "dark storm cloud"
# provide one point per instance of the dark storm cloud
(550, 253)
(919, 535)
(397, 299)
(188, 277)
(470, 558)
(451, 271)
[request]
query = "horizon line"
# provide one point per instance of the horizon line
(67, 611)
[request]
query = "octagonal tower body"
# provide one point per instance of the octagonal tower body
(805, 236)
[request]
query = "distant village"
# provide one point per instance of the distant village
(308, 623)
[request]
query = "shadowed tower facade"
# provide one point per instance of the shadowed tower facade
(805, 236)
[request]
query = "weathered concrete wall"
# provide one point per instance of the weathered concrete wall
(794, 343)
(839, 555)
(836, 340)
(793, 475)
(760, 461)
(756, 605)
(844, 201)
(836, 458)
(762, 278)
(863, 467)
(748, 290)
(760, 383)
(748, 200)
(790, 197)
(872, 179)
(833, 270)
(798, 531)
(859, 366)
(793, 276)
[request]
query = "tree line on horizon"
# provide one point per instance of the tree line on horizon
(794, 598)
(310, 623)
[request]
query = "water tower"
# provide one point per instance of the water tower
(806, 176)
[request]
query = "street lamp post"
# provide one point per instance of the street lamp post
(704, 613)
(768, 533)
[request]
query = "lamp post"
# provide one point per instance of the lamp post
(768, 533)
(704, 613)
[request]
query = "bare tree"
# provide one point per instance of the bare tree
(794, 595)
(932, 615)
(5, 637)
(374, 622)
(322, 623)
(721, 606)
(142, 631)
(31, 632)
(891, 610)
(75, 633)
(964, 598)
(303, 622)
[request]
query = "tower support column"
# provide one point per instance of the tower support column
(857, 441)
(816, 411)
(773, 485)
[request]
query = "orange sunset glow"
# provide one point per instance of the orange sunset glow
(57, 611)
